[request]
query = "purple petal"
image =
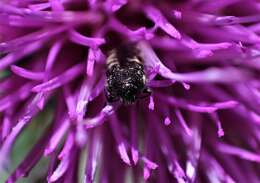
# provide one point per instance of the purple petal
(27, 74)
(58, 81)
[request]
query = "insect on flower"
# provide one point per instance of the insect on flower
(126, 78)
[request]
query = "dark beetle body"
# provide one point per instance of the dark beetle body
(126, 79)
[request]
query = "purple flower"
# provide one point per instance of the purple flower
(201, 123)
